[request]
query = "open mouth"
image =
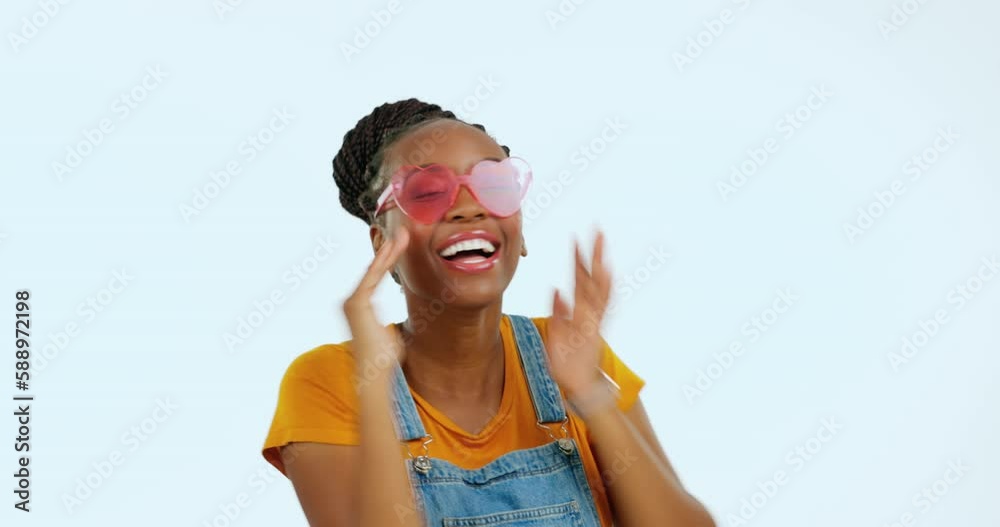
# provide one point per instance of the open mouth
(471, 255)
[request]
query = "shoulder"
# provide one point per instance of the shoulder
(326, 361)
(609, 360)
(318, 390)
(317, 402)
(627, 380)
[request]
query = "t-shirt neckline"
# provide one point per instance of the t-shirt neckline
(511, 366)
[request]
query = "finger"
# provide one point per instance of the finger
(581, 264)
(598, 267)
(559, 329)
(582, 279)
(601, 271)
(385, 258)
(401, 235)
(400, 243)
(603, 281)
(587, 294)
(560, 309)
(597, 259)
(376, 269)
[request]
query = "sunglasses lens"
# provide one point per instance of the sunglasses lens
(500, 186)
(426, 193)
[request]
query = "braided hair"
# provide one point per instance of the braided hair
(357, 167)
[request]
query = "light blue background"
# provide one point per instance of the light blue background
(655, 186)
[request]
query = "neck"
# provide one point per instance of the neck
(453, 351)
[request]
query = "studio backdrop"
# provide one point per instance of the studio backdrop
(800, 201)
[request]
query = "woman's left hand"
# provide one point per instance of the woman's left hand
(574, 339)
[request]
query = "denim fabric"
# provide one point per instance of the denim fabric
(537, 487)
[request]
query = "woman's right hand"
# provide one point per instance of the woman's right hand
(362, 485)
(370, 338)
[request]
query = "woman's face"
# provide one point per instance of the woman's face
(421, 269)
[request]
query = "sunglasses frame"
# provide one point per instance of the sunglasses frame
(387, 199)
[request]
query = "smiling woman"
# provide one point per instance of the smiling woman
(463, 414)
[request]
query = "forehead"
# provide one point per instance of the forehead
(447, 142)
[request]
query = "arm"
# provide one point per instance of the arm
(642, 485)
(324, 477)
(643, 488)
(366, 485)
(333, 489)
(386, 493)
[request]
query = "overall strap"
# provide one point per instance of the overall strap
(408, 424)
(545, 394)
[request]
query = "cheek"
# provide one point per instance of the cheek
(417, 250)
(511, 228)
(418, 232)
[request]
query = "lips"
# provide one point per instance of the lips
(476, 265)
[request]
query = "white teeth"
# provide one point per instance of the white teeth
(468, 245)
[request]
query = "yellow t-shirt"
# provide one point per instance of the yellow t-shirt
(317, 402)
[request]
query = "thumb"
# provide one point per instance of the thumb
(560, 309)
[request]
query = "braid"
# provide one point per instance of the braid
(357, 165)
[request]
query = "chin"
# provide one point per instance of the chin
(457, 287)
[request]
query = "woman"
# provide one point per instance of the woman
(463, 415)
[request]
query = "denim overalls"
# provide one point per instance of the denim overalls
(544, 486)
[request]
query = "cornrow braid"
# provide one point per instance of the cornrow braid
(357, 166)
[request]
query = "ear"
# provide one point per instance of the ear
(377, 236)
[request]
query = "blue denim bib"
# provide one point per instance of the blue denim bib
(544, 486)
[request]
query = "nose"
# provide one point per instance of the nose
(465, 207)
